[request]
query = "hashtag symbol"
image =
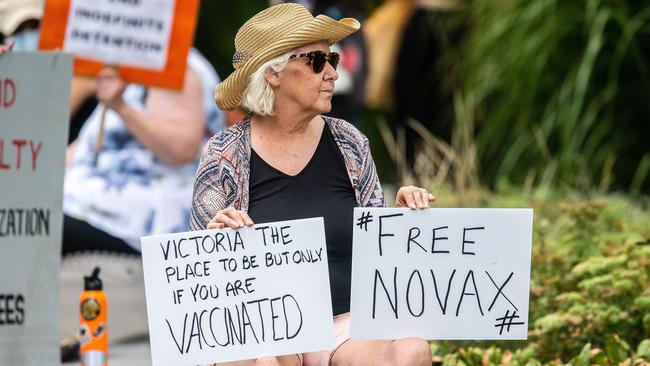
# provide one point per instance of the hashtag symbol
(364, 220)
(507, 320)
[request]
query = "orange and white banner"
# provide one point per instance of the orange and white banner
(147, 40)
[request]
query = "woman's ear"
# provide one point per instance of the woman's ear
(272, 77)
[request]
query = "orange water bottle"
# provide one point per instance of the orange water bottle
(93, 333)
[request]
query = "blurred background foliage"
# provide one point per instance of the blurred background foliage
(218, 23)
(559, 91)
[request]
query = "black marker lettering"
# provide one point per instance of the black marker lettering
(475, 293)
(193, 333)
(393, 303)
(203, 332)
(465, 230)
(284, 236)
(381, 234)
(273, 317)
(412, 238)
(246, 320)
(180, 347)
(435, 286)
(434, 238)
(408, 290)
(500, 291)
(263, 228)
(286, 319)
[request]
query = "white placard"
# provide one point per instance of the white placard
(134, 32)
(34, 115)
(225, 295)
(441, 273)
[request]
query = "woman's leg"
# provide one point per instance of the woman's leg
(399, 352)
(289, 360)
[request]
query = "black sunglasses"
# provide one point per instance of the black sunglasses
(317, 59)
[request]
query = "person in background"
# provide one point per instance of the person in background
(5, 48)
(348, 101)
(285, 159)
(139, 181)
(19, 23)
(425, 64)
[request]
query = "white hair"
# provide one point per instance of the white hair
(258, 97)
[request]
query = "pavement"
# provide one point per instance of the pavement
(126, 354)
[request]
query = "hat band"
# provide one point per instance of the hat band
(239, 58)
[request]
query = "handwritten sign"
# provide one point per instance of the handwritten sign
(149, 39)
(225, 295)
(34, 99)
(441, 273)
(134, 33)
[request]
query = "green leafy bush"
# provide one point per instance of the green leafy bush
(590, 288)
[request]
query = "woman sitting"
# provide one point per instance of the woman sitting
(286, 161)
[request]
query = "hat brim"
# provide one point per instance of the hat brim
(228, 93)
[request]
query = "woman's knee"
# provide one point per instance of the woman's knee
(411, 352)
(267, 361)
(289, 360)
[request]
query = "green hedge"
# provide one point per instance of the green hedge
(590, 288)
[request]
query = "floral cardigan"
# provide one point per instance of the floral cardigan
(222, 179)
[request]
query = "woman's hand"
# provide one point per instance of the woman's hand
(414, 197)
(231, 218)
(110, 88)
(6, 48)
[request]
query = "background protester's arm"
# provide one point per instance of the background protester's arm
(69, 153)
(174, 125)
(81, 89)
(4, 48)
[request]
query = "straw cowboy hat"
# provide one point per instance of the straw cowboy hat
(270, 33)
(14, 12)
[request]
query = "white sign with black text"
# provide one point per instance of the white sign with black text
(133, 33)
(441, 273)
(226, 295)
(34, 116)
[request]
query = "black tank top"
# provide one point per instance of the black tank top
(322, 188)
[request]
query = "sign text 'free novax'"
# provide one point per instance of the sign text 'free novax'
(441, 273)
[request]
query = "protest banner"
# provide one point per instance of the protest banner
(441, 273)
(147, 40)
(34, 115)
(226, 295)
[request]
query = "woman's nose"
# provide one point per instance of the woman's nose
(330, 72)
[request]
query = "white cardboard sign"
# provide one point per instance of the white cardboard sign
(226, 295)
(134, 33)
(441, 273)
(34, 115)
